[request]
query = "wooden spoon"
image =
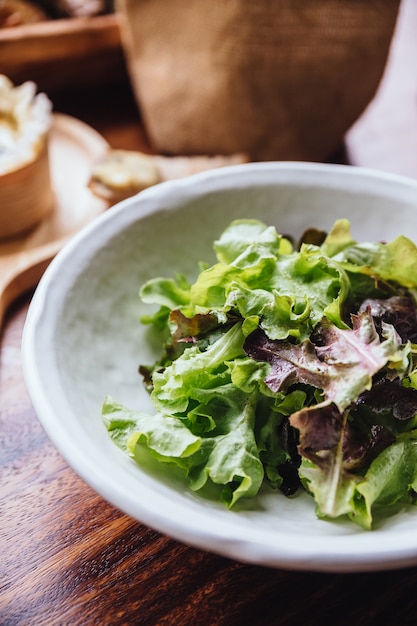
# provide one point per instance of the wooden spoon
(74, 148)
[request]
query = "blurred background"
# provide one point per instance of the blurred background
(324, 80)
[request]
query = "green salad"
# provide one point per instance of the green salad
(291, 366)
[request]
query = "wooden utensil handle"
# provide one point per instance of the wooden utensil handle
(22, 271)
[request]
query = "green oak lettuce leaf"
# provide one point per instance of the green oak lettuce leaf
(168, 292)
(290, 291)
(373, 269)
(391, 478)
(203, 422)
(333, 499)
(164, 436)
(395, 261)
(279, 315)
(246, 243)
(213, 285)
(337, 239)
(195, 370)
(227, 456)
(244, 238)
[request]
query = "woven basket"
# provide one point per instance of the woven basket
(276, 79)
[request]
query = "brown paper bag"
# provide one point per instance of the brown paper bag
(276, 79)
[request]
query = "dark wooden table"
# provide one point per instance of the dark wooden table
(69, 558)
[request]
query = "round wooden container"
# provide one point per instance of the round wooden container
(26, 195)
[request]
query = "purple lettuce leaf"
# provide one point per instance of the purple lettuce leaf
(400, 311)
(390, 396)
(341, 367)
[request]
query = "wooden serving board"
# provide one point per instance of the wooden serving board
(74, 147)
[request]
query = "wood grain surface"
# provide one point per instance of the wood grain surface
(69, 558)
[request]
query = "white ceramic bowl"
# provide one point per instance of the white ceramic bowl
(83, 340)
